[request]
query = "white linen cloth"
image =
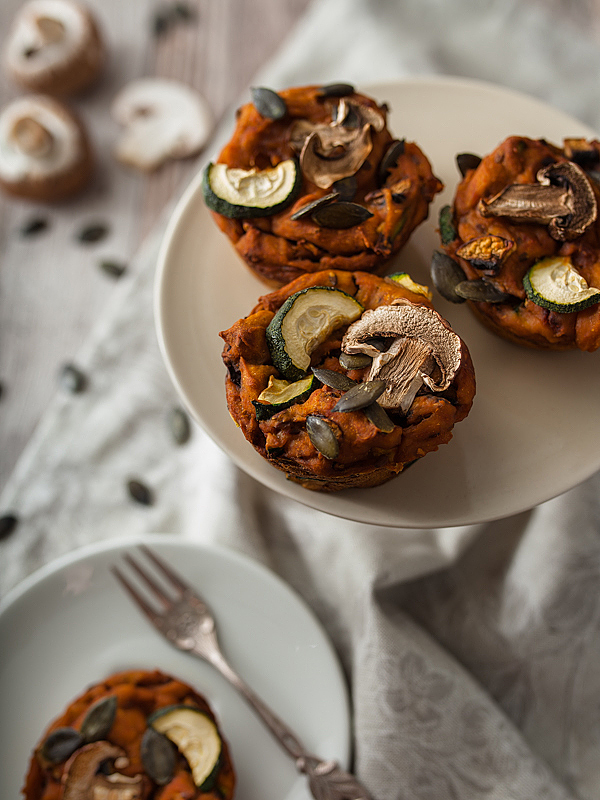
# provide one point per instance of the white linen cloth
(472, 654)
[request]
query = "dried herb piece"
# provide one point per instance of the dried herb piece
(268, 103)
(34, 226)
(8, 523)
(341, 215)
(139, 492)
(179, 424)
(72, 379)
(90, 234)
(99, 719)
(113, 268)
(61, 744)
(446, 222)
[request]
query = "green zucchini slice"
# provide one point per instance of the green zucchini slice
(553, 283)
(196, 737)
(239, 193)
(303, 322)
(281, 394)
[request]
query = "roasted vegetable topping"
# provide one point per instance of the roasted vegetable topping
(305, 320)
(446, 274)
(158, 756)
(447, 227)
(404, 279)
(281, 394)
(481, 291)
(240, 193)
(99, 719)
(555, 284)
(486, 252)
(467, 161)
(340, 215)
(268, 103)
(321, 434)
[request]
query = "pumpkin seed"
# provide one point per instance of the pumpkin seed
(158, 756)
(379, 417)
(336, 90)
(34, 226)
(306, 210)
(390, 159)
(179, 423)
(268, 103)
(333, 379)
(341, 215)
(113, 268)
(355, 360)
(139, 492)
(322, 436)
(90, 234)
(346, 187)
(467, 161)
(360, 396)
(447, 227)
(446, 274)
(61, 744)
(99, 719)
(72, 379)
(8, 522)
(481, 291)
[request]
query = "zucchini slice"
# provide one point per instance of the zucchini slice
(195, 736)
(239, 193)
(553, 283)
(303, 322)
(281, 394)
(404, 279)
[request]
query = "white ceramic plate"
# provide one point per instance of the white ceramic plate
(532, 433)
(71, 624)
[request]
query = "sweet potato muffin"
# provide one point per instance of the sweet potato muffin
(521, 242)
(312, 179)
(343, 379)
(136, 736)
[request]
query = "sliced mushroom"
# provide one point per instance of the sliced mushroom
(424, 351)
(330, 152)
(163, 119)
(581, 151)
(54, 47)
(44, 150)
(117, 787)
(563, 199)
(80, 771)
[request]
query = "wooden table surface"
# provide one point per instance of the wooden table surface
(52, 289)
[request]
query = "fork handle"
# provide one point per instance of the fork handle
(326, 779)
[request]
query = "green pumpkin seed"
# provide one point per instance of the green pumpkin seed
(336, 90)
(355, 360)
(113, 268)
(34, 226)
(322, 436)
(90, 234)
(99, 719)
(446, 274)
(268, 103)
(346, 187)
(378, 417)
(158, 756)
(139, 492)
(8, 523)
(360, 396)
(447, 228)
(481, 291)
(72, 379)
(333, 379)
(179, 423)
(341, 215)
(61, 744)
(390, 159)
(467, 161)
(308, 209)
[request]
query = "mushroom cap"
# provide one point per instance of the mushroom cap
(80, 770)
(54, 46)
(580, 199)
(162, 119)
(39, 139)
(424, 350)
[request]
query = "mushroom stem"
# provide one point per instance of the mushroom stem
(401, 386)
(528, 201)
(31, 138)
(51, 30)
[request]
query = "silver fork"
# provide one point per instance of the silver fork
(186, 621)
